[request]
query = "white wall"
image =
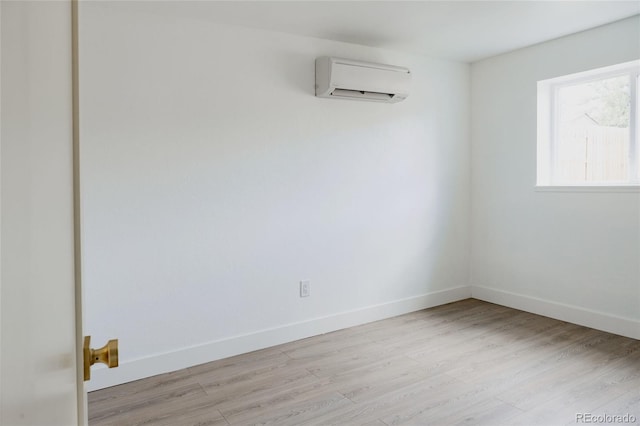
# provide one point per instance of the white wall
(214, 181)
(569, 255)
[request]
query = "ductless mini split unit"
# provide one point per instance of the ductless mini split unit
(340, 78)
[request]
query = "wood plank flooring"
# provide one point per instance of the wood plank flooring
(465, 363)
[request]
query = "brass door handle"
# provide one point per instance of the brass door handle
(108, 354)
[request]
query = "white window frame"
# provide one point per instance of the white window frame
(547, 129)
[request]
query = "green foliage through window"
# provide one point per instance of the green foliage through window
(611, 101)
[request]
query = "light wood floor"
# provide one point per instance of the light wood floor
(468, 362)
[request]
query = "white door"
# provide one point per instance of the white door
(39, 331)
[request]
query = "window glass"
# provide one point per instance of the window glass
(588, 128)
(592, 131)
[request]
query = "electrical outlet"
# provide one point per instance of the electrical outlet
(305, 288)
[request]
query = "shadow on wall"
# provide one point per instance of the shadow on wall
(296, 71)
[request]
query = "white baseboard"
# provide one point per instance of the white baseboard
(574, 314)
(190, 356)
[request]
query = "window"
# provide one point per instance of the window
(587, 128)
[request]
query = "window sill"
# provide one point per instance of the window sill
(587, 188)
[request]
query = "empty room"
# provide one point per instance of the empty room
(319, 213)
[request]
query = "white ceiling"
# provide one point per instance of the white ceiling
(458, 30)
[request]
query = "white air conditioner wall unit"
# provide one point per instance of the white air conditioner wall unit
(341, 78)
